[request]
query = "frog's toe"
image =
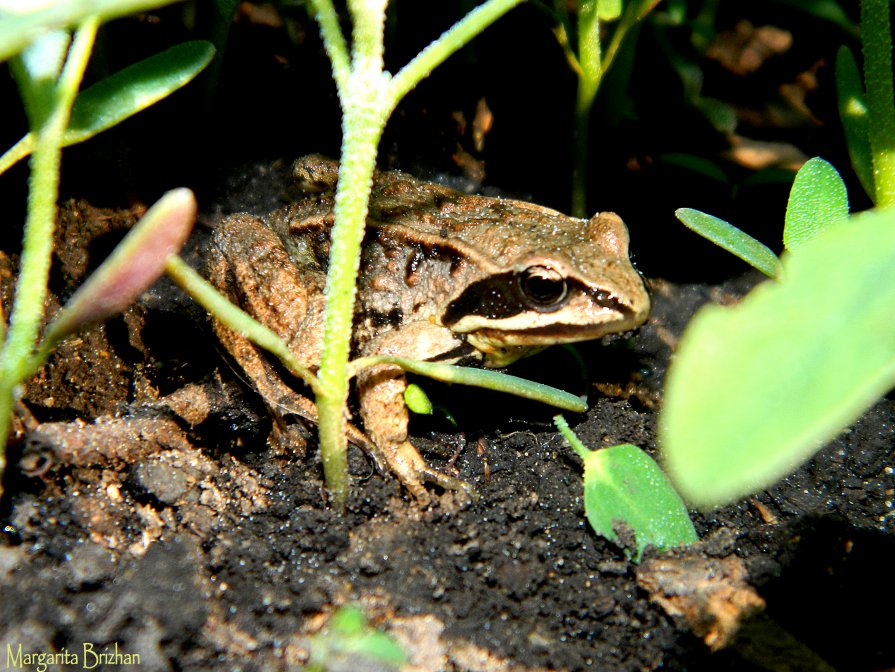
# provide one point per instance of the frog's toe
(408, 465)
(464, 489)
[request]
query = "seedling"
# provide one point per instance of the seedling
(589, 62)
(48, 67)
(624, 488)
(756, 389)
(350, 641)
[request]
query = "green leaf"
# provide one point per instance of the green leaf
(818, 199)
(756, 389)
(136, 87)
(417, 400)
(853, 114)
(876, 46)
(29, 20)
(731, 239)
(131, 90)
(624, 486)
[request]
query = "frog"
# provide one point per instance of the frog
(444, 276)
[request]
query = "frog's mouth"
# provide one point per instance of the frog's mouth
(543, 336)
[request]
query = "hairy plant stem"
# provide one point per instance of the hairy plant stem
(37, 243)
(368, 96)
(876, 39)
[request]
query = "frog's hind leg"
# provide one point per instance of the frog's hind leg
(247, 262)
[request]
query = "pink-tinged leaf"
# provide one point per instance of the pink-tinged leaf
(137, 262)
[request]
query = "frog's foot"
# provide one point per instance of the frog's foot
(404, 461)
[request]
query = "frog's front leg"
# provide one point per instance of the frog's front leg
(381, 392)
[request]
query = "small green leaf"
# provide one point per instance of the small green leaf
(36, 70)
(853, 114)
(417, 400)
(624, 485)
(818, 199)
(731, 239)
(756, 389)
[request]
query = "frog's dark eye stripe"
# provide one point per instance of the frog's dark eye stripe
(504, 295)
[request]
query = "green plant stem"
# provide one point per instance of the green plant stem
(571, 438)
(333, 42)
(37, 243)
(355, 180)
(204, 293)
(368, 96)
(876, 41)
(449, 42)
(16, 153)
(590, 74)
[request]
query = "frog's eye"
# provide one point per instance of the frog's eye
(543, 288)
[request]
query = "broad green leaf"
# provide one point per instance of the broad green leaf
(136, 87)
(756, 389)
(624, 487)
(853, 114)
(818, 199)
(731, 239)
(22, 22)
(119, 96)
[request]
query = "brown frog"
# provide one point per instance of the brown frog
(444, 276)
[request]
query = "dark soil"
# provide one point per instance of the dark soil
(143, 508)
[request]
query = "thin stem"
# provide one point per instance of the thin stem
(16, 153)
(876, 41)
(37, 243)
(204, 293)
(333, 42)
(589, 78)
(368, 95)
(450, 41)
(571, 438)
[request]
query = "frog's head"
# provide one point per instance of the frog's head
(571, 283)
